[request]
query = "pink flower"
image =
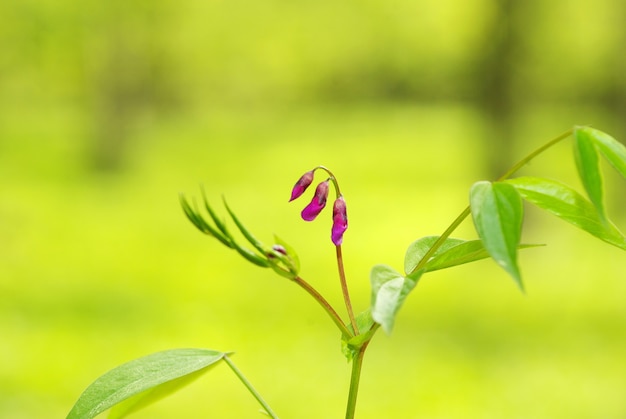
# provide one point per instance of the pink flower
(318, 202)
(301, 185)
(340, 221)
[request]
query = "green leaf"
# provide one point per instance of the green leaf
(453, 252)
(140, 375)
(201, 224)
(389, 290)
(258, 245)
(364, 322)
(498, 211)
(466, 252)
(611, 149)
(418, 249)
(569, 205)
(218, 222)
(153, 395)
(250, 256)
(588, 165)
(461, 253)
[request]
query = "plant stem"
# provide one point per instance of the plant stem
(250, 388)
(344, 290)
(534, 154)
(332, 179)
(355, 378)
(467, 211)
(325, 305)
(442, 239)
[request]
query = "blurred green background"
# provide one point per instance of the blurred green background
(109, 109)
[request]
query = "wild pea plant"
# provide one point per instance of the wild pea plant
(496, 209)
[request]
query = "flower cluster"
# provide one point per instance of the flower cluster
(317, 204)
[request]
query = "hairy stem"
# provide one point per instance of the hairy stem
(250, 388)
(467, 210)
(344, 290)
(325, 305)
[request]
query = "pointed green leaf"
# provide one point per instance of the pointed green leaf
(140, 375)
(569, 205)
(389, 290)
(218, 222)
(258, 245)
(466, 252)
(611, 149)
(250, 256)
(153, 395)
(201, 224)
(498, 211)
(453, 252)
(588, 165)
(418, 249)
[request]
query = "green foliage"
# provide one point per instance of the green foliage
(138, 383)
(497, 211)
(453, 252)
(569, 205)
(285, 263)
(389, 290)
(365, 323)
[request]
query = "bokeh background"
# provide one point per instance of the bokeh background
(109, 109)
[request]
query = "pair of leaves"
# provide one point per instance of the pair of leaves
(497, 208)
(143, 381)
(390, 288)
(589, 144)
(497, 211)
(568, 205)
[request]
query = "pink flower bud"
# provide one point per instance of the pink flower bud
(340, 221)
(318, 202)
(301, 185)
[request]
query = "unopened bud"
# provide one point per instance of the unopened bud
(340, 221)
(318, 202)
(301, 185)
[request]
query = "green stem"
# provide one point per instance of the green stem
(325, 305)
(332, 179)
(442, 239)
(355, 378)
(250, 388)
(344, 290)
(467, 211)
(534, 154)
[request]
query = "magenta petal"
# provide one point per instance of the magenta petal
(301, 185)
(311, 211)
(340, 221)
(317, 204)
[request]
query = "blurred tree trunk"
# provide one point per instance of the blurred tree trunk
(133, 78)
(496, 71)
(614, 99)
(117, 106)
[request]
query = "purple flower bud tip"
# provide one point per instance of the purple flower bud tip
(340, 221)
(301, 185)
(318, 202)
